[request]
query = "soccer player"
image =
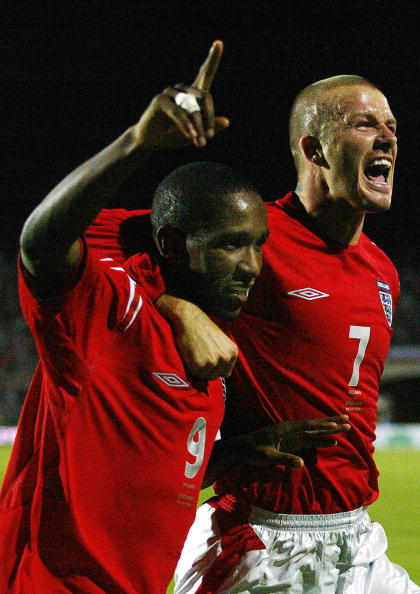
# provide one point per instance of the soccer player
(110, 456)
(115, 435)
(312, 340)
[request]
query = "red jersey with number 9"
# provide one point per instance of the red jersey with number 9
(112, 444)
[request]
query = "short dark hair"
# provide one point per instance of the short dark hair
(188, 196)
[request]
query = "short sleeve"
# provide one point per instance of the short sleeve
(119, 234)
(71, 329)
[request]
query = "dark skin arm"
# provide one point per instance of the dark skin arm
(206, 350)
(50, 244)
(262, 447)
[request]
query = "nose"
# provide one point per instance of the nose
(250, 261)
(386, 138)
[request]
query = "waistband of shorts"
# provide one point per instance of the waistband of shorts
(293, 522)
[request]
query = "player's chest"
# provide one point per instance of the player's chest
(314, 289)
(146, 362)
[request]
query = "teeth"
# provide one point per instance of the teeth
(244, 292)
(383, 162)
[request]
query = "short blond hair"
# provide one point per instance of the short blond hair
(311, 113)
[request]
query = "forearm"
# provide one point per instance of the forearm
(67, 211)
(49, 237)
(257, 448)
(227, 453)
(206, 350)
(223, 457)
(177, 311)
(279, 443)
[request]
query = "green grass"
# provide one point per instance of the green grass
(398, 508)
(4, 457)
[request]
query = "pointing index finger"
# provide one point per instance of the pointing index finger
(208, 70)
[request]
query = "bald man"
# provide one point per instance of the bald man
(312, 341)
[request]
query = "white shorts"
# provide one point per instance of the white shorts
(315, 554)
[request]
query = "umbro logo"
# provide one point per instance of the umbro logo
(308, 294)
(171, 380)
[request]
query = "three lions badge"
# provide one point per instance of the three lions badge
(386, 300)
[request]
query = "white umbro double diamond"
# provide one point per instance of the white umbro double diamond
(171, 379)
(308, 294)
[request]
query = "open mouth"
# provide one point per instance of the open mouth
(240, 293)
(378, 171)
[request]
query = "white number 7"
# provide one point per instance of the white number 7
(363, 334)
(195, 445)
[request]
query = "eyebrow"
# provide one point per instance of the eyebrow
(368, 114)
(241, 236)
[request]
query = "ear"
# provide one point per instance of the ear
(171, 242)
(311, 149)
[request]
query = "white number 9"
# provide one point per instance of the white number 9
(195, 444)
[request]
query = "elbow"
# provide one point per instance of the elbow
(33, 238)
(26, 238)
(28, 242)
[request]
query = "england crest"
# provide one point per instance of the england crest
(224, 388)
(386, 300)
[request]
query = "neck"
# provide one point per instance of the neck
(334, 218)
(177, 279)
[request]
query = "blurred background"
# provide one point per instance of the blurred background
(75, 78)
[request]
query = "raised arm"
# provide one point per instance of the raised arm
(50, 247)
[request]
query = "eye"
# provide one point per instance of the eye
(364, 125)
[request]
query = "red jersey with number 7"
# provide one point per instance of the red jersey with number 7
(313, 340)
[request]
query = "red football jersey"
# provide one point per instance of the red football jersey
(112, 444)
(313, 340)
